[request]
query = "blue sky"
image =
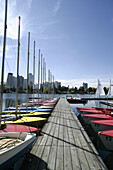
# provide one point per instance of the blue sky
(74, 36)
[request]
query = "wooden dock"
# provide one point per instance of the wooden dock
(63, 144)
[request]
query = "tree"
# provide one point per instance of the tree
(75, 90)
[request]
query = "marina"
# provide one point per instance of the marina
(45, 125)
(63, 144)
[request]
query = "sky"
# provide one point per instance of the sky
(74, 36)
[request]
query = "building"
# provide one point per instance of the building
(25, 84)
(21, 81)
(57, 84)
(10, 80)
(14, 82)
(85, 85)
(30, 78)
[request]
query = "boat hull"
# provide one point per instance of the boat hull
(100, 127)
(10, 156)
(37, 122)
(107, 139)
(20, 128)
(77, 101)
(91, 117)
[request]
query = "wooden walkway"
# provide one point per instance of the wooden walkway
(63, 144)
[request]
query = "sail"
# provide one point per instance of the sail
(100, 91)
(110, 92)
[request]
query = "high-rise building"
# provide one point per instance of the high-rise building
(30, 78)
(10, 80)
(57, 84)
(25, 83)
(14, 82)
(21, 81)
(85, 85)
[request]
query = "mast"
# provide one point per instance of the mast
(18, 66)
(3, 60)
(53, 87)
(43, 81)
(28, 70)
(34, 74)
(45, 78)
(38, 75)
(51, 83)
(41, 78)
(48, 84)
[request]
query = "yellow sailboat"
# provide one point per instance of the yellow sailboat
(37, 114)
(32, 114)
(29, 121)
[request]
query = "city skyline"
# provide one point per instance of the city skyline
(22, 82)
(75, 38)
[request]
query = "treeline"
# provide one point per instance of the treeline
(59, 90)
(80, 90)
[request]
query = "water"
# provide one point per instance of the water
(9, 100)
(90, 103)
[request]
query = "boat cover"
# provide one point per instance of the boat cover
(106, 132)
(103, 116)
(92, 111)
(104, 122)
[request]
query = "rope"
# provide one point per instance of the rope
(9, 143)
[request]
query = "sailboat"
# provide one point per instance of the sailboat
(101, 125)
(20, 128)
(13, 145)
(106, 138)
(100, 91)
(110, 92)
(37, 122)
(91, 117)
(21, 109)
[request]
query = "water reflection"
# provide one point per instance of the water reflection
(9, 99)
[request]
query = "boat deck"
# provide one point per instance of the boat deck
(8, 143)
(63, 144)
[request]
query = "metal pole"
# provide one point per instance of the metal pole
(53, 87)
(38, 75)
(45, 78)
(34, 74)
(28, 70)
(3, 60)
(48, 83)
(41, 78)
(18, 67)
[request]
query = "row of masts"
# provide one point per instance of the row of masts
(41, 69)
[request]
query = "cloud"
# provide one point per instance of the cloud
(57, 7)
(12, 17)
(29, 3)
(92, 82)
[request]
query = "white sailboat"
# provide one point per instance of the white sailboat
(15, 144)
(110, 92)
(100, 91)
